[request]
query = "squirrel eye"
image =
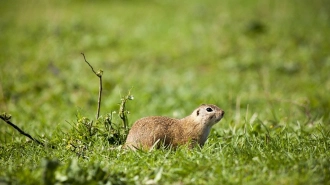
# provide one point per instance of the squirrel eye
(209, 109)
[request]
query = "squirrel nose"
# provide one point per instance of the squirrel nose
(222, 113)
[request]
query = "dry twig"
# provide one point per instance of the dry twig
(122, 110)
(99, 75)
(6, 118)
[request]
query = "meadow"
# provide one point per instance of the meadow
(266, 63)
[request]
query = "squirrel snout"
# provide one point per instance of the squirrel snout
(222, 113)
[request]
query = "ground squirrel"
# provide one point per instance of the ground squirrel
(156, 131)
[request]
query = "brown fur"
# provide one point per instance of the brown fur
(156, 131)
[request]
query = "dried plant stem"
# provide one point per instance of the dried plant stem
(99, 75)
(122, 110)
(99, 99)
(7, 120)
(123, 113)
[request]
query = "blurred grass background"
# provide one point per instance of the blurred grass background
(270, 58)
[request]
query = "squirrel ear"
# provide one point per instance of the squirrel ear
(197, 112)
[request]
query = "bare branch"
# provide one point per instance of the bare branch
(89, 64)
(99, 99)
(6, 118)
(99, 75)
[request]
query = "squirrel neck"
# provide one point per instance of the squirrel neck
(194, 129)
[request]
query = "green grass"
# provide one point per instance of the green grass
(266, 63)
